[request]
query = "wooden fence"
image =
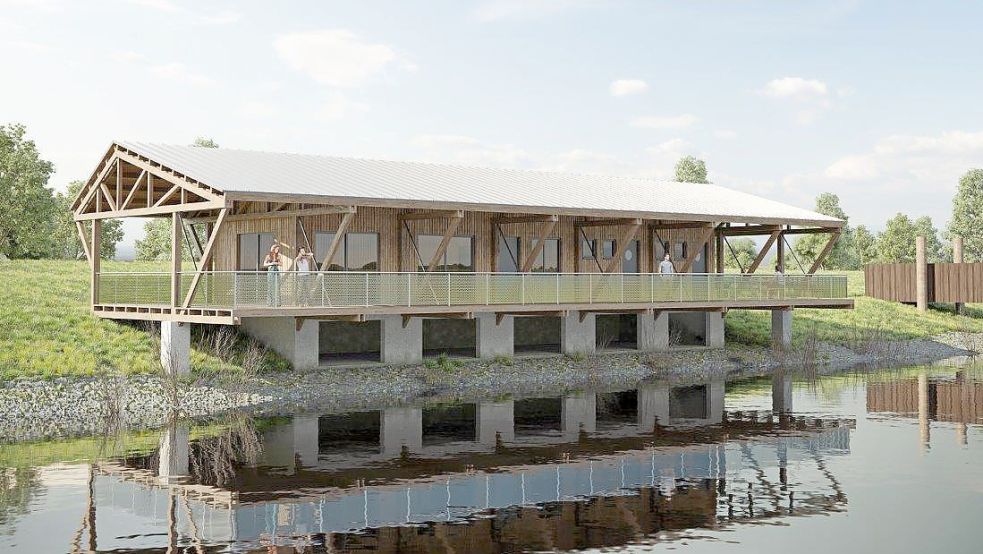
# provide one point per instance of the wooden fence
(947, 283)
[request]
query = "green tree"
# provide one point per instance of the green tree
(967, 213)
(156, 242)
(691, 170)
(935, 251)
(745, 251)
(66, 238)
(864, 246)
(809, 247)
(205, 142)
(896, 243)
(27, 209)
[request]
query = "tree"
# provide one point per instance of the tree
(897, 242)
(66, 238)
(934, 250)
(745, 251)
(691, 170)
(156, 242)
(864, 246)
(27, 208)
(809, 247)
(205, 142)
(967, 213)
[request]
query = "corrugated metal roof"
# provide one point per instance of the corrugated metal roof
(389, 183)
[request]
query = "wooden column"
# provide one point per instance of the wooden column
(921, 275)
(957, 258)
(95, 258)
(780, 256)
(177, 228)
(720, 253)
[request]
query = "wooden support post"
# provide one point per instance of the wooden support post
(719, 252)
(703, 240)
(535, 251)
(764, 251)
(177, 230)
(336, 241)
(84, 240)
(957, 258)
(780, 254)
(921, 275)
(622, 246)
(206, 257)
(452, 225)
(825, 252)
(95, 253)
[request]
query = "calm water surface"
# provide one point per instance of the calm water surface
(886, 461)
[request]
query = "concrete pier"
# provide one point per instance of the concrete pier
(578, 413)
(781, 393)
(496, 421)
(715, 330)
(295, 341)
(494, 339)
(401, 345)
(781, 328)
(576, 336)
(401, 428)
(652, 332)
(175, 347)
(174, 452)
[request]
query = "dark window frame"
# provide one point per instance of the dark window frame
(342, 254)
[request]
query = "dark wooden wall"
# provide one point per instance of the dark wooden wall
(947, 282)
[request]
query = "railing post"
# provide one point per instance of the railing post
(557, 287)
(487, 289)
(448, 288)
(622, 288)
(522, 289)
(590, 288)
(366, 290)
(322, 288)
(651, 287)
(409, 290)
(235, 290)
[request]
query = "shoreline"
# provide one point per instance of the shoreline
(70, 407)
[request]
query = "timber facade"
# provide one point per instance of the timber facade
(399, 274)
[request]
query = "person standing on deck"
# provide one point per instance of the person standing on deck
(303, 264)
(273, 262)
(666, 266)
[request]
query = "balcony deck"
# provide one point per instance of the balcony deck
(226, 296)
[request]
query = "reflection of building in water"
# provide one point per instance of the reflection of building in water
(558, 485)
(958, 400)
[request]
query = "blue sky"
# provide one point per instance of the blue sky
(879, 102)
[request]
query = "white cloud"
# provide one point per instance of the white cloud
(853, 168)
(922, 161)
(128, 57)
(725, 134)
(162, 5)
(665, 122)
(624, 87)
(675, 146)
(194, 15)
(335, 57)
(467, 150)
(258, 109)
(178, 72)
(500, 10)
(338, 106)
(795, 87)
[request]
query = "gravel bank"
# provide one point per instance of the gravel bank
(67, 407)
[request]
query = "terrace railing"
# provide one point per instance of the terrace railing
(245, 289)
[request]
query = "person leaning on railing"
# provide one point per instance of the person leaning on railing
(273, 262)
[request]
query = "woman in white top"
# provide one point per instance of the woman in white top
(303, 265)
(272, 263)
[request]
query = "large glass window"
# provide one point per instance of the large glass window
(253, 247)
(548, 260)
(357, 251)
(508, 254)
(459, 255)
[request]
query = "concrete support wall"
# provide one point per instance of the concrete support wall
(496, 421)
(401, 345)
(781, 328)
(715, 330)
(578, 413)
(173, 455)
(494, 340)
(299, 346)
(175, 347)
(653, 332)
(401, 428)
(577, 337)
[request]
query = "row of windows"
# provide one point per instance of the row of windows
(360, 252)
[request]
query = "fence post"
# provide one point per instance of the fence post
(235, 290)
(921, 275)
(957, 258)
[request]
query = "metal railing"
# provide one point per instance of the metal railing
(249, 289)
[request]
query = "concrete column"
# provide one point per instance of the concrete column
(175, 347)
(781, 393)
(298, 345)
(496, 420)
(715, 404)
(715, 330)
(653, 406)
(306, 431)
(921, 275)
(173, 453)
(578, 413)
(401, 428)
(652, 333)
(494, 339)
(576, 336)
(957, 257)
(781, 328)
(401, 345)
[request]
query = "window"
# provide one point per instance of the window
(508, 254)
(253, 247)
(608, 248)
(661, 248)
(548, 260)
(588, 249)
(680, 251)
(458, 256)
(357, 251)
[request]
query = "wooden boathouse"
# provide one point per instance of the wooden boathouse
(411, 258)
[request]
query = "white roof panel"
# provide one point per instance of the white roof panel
(389, 183)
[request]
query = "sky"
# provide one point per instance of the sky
(876, 101)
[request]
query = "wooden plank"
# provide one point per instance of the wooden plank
(622, 246)
(108, 196)
(446, 240)
(535, 251)
(205, 257)
(159, 210)
(95, 257)
(775, 235)
(825, 252)
(136, 186)
(701, 242)
(85, 241)
(432, 214)
(324, 210)
(516, 219)
(177, 227)
(167, 195)
(608, 222)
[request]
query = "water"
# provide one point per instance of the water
(886, 461)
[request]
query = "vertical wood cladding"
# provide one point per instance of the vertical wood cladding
(396, 252)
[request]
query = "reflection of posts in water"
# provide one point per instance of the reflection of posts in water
(715, 404)
(781, 393)
(306, 430)
(961, 434)
(578, 413)
(284, 444)
(173, 452)
(923, 409)
(496, 421)
(401, 427)
(653, 406)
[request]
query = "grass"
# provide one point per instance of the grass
(47, 331)
(888, 320)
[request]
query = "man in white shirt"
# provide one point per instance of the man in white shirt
(303, 265)
(666, 266)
